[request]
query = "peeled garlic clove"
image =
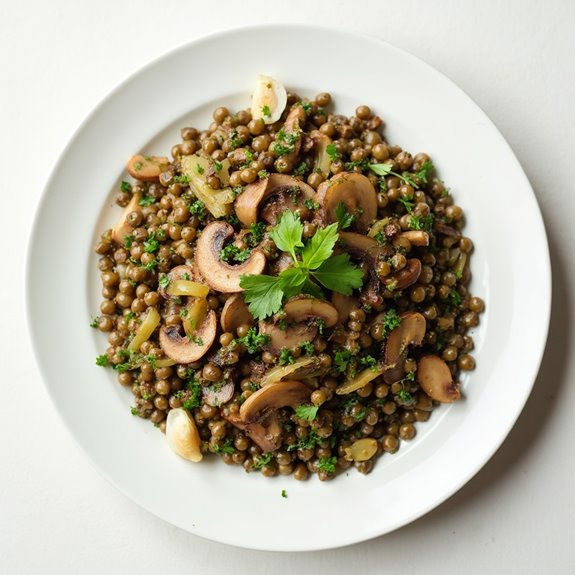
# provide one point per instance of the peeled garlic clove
(361, 450)
(182, 434)
(269, 100)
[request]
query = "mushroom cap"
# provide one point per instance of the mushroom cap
(220, 275)
(411, 331)
(217, 397)
(287, 338)
(288, 393)
(235, 313)
(251, 200)
(147, 168)
(434, 377)
(183, 350)
(404, 277)
(302, 308)
(123, 228)
(265, 433)
(356, 193)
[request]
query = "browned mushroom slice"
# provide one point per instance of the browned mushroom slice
(182, 272)
(251, 201)
(344, 305)
(220, 275)
(266, 434)
(322, 161)
(182, 349)
(404, 277)
(289, 393)
(303, 308)
(292, 129)
(446, 230)
(147, 168)
(369, 251)
(434, 377)
(235, 313)
(123, 228)
(216, 396)
(416, 237)
(411, 331)
(355, 192)
(290, 337)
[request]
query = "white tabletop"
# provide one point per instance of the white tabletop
(59, 58)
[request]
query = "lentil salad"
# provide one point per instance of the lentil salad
(289, 290)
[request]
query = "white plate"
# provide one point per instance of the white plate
(424, 112)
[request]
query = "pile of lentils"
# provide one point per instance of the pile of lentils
(163, 232)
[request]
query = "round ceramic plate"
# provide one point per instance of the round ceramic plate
(423, 112)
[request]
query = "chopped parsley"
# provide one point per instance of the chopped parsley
(266, 111)
(102, 360)
(307, 347)
(310, 204)
(181, 179)
(253, 340)
(164, 281)
(286, 142)
(225, 447)
(263, 174)
(199, 169)
(147, 200)
(331, 151)
(262, 460)
(311, 441)
(286, 356)
(307, 412)
(284, 494)
(126, 187)
(151, 245)
(128, 241)
(194, 395)
(195, 339)
(343, 358)
(327, 464)
(198, 208)
(344, 219)
(95, 321)
(424, 223)
(390, 321)
(256, 235)
(233, 254)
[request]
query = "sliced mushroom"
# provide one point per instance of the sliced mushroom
(235, 313)
(404, 277)
(182, 349)
(360, 380)
(123, 228)
(182, 435)
(147, 168)
(218, 396)
(369, 251)
(446, 230)
(322, 161)
(293, 125)
(289, 393)
(250, 202)
(416, 237)
(288, 338)
(344, 305)
(220, 275)
(434, 377)
(355, 192)
(411, 331)
(303, 308)
(266, 434)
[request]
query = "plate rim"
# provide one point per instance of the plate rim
(546, 276)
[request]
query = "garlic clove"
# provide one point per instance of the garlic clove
(269, 100)
(182, 434)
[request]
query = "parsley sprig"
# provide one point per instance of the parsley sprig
(313, 264)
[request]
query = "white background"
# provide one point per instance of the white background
(515, 58)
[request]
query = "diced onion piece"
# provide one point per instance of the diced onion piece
(361, 379)
(187, 288)
(166, 362)
(217, 202)
(182, 435)
(361, 450)
(377, 227)
(269, 100)
(281, 371)
(197, 312)
(145, 330)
